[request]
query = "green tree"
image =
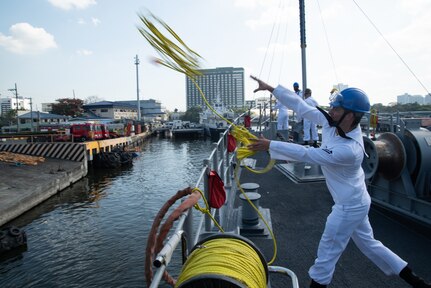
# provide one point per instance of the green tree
(192, 114)
(68, 107)
(8, 118)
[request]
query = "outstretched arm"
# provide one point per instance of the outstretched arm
(262, 85)
(260, 144)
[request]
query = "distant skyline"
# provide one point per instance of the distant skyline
(86, 48)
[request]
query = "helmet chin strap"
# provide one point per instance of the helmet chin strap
(333, 123)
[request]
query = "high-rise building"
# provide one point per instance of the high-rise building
(226, 83)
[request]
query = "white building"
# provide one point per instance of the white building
(10, 103)
(407, 98)
(112, 110)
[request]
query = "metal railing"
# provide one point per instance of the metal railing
(224, 163)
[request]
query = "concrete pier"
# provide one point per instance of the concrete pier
(22, 187)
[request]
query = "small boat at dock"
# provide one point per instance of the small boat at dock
(183, 129)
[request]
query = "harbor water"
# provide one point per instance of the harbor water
(94, 233)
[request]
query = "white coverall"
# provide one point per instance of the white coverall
(340, 160)
(283, 116)
(309, 125)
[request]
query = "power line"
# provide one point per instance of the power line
(389, 44)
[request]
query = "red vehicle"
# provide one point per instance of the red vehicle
(89, 131)
(105, 131)
(85, 132)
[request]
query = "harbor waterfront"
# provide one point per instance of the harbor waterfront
(58, 166)
(93, 234)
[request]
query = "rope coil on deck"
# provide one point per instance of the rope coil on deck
(224, 260)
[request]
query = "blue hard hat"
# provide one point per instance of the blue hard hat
(352, 99)
(295, 84)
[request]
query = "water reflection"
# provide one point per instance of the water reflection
(94, 233)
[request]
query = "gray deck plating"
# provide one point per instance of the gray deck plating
(298, 213)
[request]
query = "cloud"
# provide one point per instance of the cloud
(72, 4)
(84, 52)
(95, 21)
(268, 12)
(250, 4)
(26, 39)
(415, 7)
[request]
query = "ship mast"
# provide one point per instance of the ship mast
(303, 44)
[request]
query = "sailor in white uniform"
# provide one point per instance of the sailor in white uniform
(308, 125)
(283, 116)
(340, 157)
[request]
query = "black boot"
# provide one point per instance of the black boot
(314, 284)
(411, 278)
(305, 143)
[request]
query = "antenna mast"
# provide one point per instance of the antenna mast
(303, 44)
(137, 87)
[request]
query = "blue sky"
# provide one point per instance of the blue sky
(60, 48)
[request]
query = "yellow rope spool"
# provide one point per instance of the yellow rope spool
(224, 260)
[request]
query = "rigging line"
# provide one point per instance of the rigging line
(266, 51)
(393, 49)
(276, 40)
(283, 50)
(327, 42)
(267, 48)
(282, 55)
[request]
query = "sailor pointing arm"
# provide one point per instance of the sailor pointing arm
(340, 156)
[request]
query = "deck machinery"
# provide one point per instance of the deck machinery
(398, 170)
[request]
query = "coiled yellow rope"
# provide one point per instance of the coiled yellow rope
(244, 137)
(229, 257)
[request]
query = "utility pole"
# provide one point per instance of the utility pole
(137, 87)
(31, 113)
(16, 97)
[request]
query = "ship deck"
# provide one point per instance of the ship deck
(298, 214)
